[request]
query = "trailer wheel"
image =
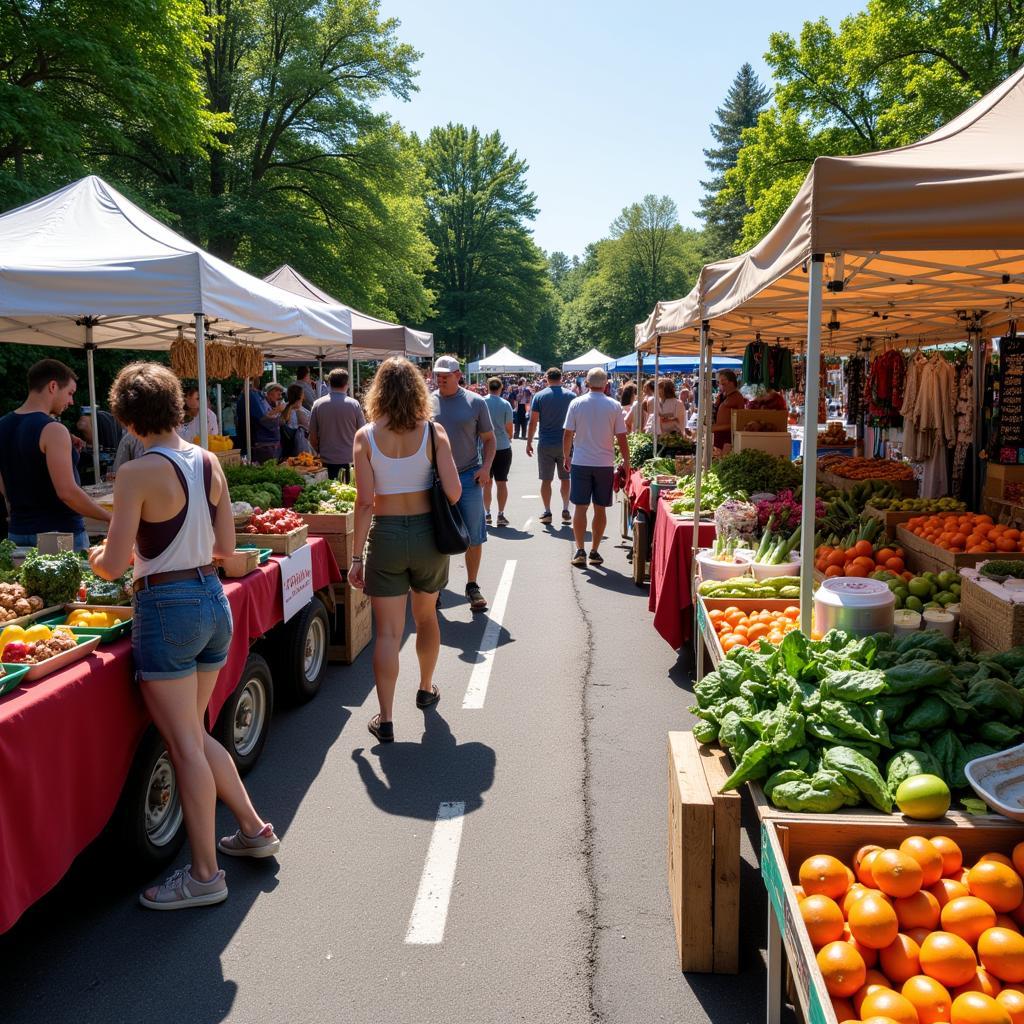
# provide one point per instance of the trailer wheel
(300, 663)
(245, 719)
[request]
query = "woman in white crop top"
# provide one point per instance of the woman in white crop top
(172, 516)
(393, 459)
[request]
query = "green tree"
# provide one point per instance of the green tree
(723, 214)
(77, 76)
(887, 77)
(489, 276)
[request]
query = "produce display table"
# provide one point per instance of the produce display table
(67, 742)
(671, 572)
(638, 490)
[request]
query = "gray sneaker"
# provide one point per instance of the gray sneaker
(263, 844)
(181, 891)
(580, 558)
(502, 521)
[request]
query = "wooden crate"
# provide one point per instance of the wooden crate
(787, 842)
(890, 520)
(1003, 481)
(745, 604)
(352, 626)
(778, 444)
(232, 457)
(279, 543)
(924, 556)
(337, 531)
(908, 488)
(994, 622)
(239, 563)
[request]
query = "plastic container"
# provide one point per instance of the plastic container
(854, 605)
(943, 621)
(768, 572)
(712, 570)
(905, 621)
(999, 780)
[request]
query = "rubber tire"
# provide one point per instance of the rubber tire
(256, 669)
(289, 655)
(129, 832)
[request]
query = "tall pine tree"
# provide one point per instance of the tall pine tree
(723, 215)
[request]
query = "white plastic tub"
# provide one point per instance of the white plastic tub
(712, 570)
(767, 572)
(999, 780)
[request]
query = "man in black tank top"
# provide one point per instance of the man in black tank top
(38, 462)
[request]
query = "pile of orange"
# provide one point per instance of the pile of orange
(860, 560)
(976, 534)
(737, 628)
(910, 936)
(857, 468)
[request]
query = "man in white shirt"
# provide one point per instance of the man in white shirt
(593, 425)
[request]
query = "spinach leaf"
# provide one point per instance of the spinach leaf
(753, 765)
(853, 685)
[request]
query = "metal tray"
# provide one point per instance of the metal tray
(999, 780)
(87, 643)
(11, 677)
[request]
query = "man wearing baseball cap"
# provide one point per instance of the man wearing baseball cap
(264, 420)
(593, 425)
(467, 421)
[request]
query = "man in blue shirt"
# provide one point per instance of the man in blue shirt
(264, 421)
(548, 414)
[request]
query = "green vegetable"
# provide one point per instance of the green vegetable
(753, 765)
(908, 763)
(331, 497)
(905, 739)
(851, 685)
(857, 721)
(996, 699)
(7, 548)
(54, 578)
(280, 475)
(752, 470)
(733, 735)
(857, 769)
(1002, 569)
(931, 713)
(918, 675)
(1012, 660)
(803, 795)
(941, 646)
(705, 732)
(999, 734)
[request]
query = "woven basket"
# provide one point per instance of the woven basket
(993, 622)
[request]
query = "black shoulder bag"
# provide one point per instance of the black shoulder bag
(450, 533)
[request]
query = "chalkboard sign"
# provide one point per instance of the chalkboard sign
(1011, 400)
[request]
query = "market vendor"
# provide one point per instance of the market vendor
(189, 429)
(728, 398)
(264, 420)
(39, 462)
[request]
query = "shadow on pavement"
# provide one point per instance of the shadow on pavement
(414, 778)
(508, 533)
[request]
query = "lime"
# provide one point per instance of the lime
(923, 796)
(933, 606)
(944, 597)
(931, 577)
(898, 602)
(895, 585)
(913, 603)
(920, 586)
(902, 593)
(948, 578)
(955, 589)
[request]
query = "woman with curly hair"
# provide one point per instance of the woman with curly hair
(394, 455)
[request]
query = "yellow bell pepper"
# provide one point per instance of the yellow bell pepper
(36, 633)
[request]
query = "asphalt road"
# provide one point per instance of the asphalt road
(558, 906)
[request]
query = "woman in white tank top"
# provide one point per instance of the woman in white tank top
(172, 516)
(393, 459)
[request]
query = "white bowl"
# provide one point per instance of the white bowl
(712, 570)
(769, 572)
(999, 780)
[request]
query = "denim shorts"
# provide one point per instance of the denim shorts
(28, 540)
(401, 555)
(471, 505)
(181, 628)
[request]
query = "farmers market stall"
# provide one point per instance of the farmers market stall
(69, 741)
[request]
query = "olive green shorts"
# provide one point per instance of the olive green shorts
(401, 556)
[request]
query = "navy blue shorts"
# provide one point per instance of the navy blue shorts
(591, 485)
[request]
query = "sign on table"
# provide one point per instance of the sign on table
(296, 581)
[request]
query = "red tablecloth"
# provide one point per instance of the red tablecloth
(638, 490)
(67, 742)
(671, 561)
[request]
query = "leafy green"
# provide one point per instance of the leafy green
(54, 578)
(7, 549)
(752, 470)
(908, 763)
(331, 497)
(862, 773)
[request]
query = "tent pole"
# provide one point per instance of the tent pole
(273, 373)
(351, 376)
(657, 404)
(93, 411)
(246, 388)
(698, 460)
(204, 426)
(320, 376)
(979, 396)
(810, 449)
(220, 406)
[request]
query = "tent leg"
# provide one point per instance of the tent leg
(273, 372)
(320, 376)
(94, 412)
(810, 448)
(204, 426)
(247, 426)
(220, 406)
(699, 451)
(657, 397)
(351, 374)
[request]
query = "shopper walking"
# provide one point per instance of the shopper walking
(39, 461)
(333, 424)
(547, 416)
(501, 420)
(173, 514)
(593, 425)
(522, 407)
(394, 458)
(467, 421)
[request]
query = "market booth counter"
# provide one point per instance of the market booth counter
(77, 747)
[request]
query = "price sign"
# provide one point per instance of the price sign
(296, 581)
(1011, 399)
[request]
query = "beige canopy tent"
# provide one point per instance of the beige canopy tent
(918, 243)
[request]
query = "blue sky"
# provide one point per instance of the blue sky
(606, 101)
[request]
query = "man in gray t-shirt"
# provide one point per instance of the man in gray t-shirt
(467, 420)
(333, 423)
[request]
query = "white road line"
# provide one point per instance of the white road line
(526, 525)
(476, 692)
(430, 911)
(531, 495)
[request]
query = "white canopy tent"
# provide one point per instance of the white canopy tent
(587, 361)
(504, 361)
(86, 268)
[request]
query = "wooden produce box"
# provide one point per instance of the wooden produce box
(279, 543)
(989, 614)
(908, 488)
(890, 520)
(352, 626)
(778, 444)
(239, 563)
(745, 604)
(787, 842)
(703, 857)
(775, 418)
(1004, 481)
(337, 531)
(924, 556)
(1009, 513)
(232, 457)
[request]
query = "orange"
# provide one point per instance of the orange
(798, 892)
(1018, 858)
(862, 861)
(1012, 1001)
(919, 934)
(946, 889)
(983, 981)
(948, 959)
(926, 855)
(977, 1008)
(886, 1003)
(867, 954)
(929, 998)
(998, 885)
(854, 893)
(825, 875)
(1006, 921)
(842, 969)
(874, 981)
(1001, 952)
(901, 959)
(896, 873)
(822, 918)
(843, 1009)
(921, 910)
(999, 858)
(873, 922)
(967, 917)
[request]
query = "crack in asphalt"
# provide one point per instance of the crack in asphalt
(588, 819)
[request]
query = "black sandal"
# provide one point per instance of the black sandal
(384, 731)
(426, 700)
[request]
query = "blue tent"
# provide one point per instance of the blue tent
(672, 364)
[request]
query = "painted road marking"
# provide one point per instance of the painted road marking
(476, 692)
(430, 911)
(526, 525)
(531, 495)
